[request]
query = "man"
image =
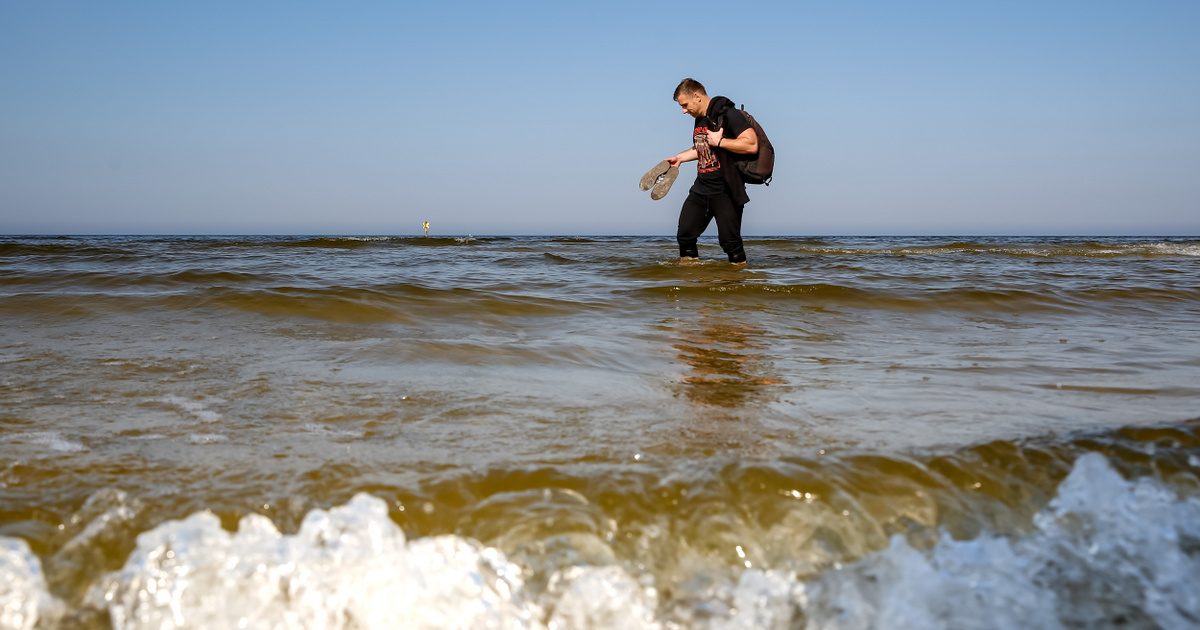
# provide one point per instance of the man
(719, 135)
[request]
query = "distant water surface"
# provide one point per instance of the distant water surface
(582, 432)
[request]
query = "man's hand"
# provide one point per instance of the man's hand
(714, 137)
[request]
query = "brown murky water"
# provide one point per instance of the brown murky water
(847, 431)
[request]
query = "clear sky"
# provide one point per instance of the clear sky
(955, 117)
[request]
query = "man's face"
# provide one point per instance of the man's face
(690, 103)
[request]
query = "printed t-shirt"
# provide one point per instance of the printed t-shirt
(709, 179)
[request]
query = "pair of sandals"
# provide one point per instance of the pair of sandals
(659, 178)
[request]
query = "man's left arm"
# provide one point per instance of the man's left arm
(746, 142)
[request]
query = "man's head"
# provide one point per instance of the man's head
(691, 97)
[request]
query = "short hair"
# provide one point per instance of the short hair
(689, 86)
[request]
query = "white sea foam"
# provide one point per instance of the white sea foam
(52, 440)
(198, 409)
(600, 597)
(1042, 250)
(207, 438)
(1105, 551)
(335, 434)
(1174, 249)
(23, 595)
(349, 567)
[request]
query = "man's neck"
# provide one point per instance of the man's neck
(704, 103)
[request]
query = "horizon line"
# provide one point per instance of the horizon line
(596, 234)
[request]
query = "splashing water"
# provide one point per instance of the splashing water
(1104, 552)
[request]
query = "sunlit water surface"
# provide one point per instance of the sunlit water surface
(581, 432)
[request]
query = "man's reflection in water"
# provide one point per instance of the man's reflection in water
(725, 354)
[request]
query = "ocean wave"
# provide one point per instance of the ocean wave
(709, 270)
(24, 597)
(356, 242)
(337, 304)
(1105, 552)
(557, 259)
(127, 280)
(57, 250)
(1102, 551)
(42, 441)
(343, 242)
(407, 302)
(962, 298)
(384, 303)
(349, 567)
(397, 302)
(574, 239)
(131, 248)
(1040, 248)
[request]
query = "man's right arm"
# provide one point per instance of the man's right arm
(683, 156)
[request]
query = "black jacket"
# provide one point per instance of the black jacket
(733, 177)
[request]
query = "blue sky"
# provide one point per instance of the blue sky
(533, 118)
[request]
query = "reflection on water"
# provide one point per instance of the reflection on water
(724, 351)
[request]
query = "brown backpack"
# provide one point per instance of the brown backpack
(759, 169)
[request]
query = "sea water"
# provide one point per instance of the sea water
(580, 432)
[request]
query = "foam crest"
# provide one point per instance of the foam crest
(600, 597)
(1104, 552)
(762, 599)
(195, 408)
(23, 595)
(52, 440)
(1174, 249)
(349, 567)
(1136, 536)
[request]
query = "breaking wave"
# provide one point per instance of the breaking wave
(1031, 248)
(1105, 551)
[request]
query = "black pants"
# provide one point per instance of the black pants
(694, 217)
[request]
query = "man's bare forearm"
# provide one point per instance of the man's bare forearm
(683, 156)
(746, 143)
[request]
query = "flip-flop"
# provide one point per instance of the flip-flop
(652, 175)
(662, 185)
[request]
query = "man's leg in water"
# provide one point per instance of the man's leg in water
(693, 219)
(729, 227)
